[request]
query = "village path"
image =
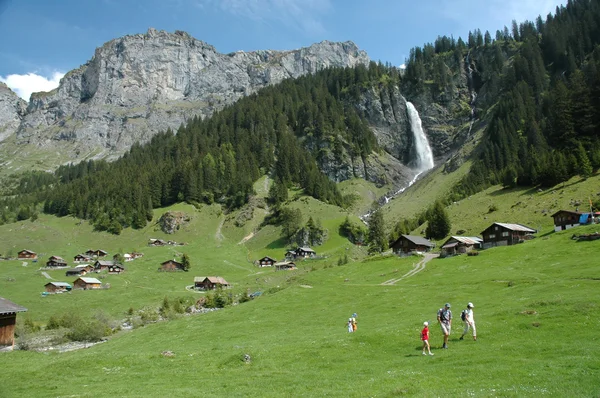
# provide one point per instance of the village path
(46, 275)
(420, 266)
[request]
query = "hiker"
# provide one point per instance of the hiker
(469, 321)
(350, 328)
(425, 338)
(354, 322)
(444, 317)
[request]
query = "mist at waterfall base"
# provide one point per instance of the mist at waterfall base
(423, 156)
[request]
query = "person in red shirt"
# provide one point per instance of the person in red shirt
(425, 338)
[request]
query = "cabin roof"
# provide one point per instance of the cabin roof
(418, 240)
(8, 307)
(90, 280)
(513, 227)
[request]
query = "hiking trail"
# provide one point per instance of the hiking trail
(420, 266)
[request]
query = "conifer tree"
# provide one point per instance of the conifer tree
(377, 238)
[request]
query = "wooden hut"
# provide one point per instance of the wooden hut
(410, 243)
(87, 283)
(210, 282)
(171, 265)
(461, 244)
(285, 266)
(503, 234)
(79, 270)
(266, 262)
(56, 261)
(81, 258)
(26, 255)
(57, 287)
(115, 268)
(8, 319)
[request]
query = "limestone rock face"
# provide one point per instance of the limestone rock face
(171, 221)
(12, 109)
(138, 85)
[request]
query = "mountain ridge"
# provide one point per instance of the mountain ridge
(137, 85)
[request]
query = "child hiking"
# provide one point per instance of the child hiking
(425, 338)
(469, 320)
(350, 328)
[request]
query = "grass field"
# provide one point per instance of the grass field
(536, 307)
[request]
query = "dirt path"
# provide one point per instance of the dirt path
(420, 266)
(246, 238)
(46, 275)
(218, 235)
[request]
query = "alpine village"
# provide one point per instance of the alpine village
(209, 224)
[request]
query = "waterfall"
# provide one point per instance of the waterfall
(472, 91)
(423, 156)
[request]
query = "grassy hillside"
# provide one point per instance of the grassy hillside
(535, 307)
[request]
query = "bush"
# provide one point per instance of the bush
(87, 331)
(53, 323)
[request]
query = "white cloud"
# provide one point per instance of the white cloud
(24, 85)
(303, 15)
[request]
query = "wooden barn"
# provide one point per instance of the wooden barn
(461, 245)
(156, 242)
(171, 265)
(566, 219)
(135, 255)
(410, 243)
(8, 319)
(210, 283)
(27, 255)
(266, 262)
(57, 287)
(305, 252)
(285, 266)
(87, 283)
(82, 258)
(503, 234)
(80, 270)
(98, 253)
(56, 261)
(101, 265)
(115, 268)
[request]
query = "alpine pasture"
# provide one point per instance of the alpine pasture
(536, 307)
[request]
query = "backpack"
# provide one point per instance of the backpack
(463, 315)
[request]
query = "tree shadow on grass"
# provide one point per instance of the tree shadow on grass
(277, 244)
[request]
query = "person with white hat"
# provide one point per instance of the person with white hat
(469, 320)
(425, 338)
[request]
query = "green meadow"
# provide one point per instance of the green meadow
(536, 309)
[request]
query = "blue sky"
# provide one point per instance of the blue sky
(43, 39)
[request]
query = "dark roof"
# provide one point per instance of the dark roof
(267, 258)
(8, 307)
(577, 213)
(418, 240)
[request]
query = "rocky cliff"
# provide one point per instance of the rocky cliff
(138, 85)
(12, 109)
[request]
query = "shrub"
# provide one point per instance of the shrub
(87, 331)
(53, 323)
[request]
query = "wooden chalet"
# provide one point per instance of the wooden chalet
(87, 283)
(503, 234)
(82, 258)
(461, 245)
(56, 261)
(305, 252)
(96, 253)
(80, 270)
(157, 242)
(8, 319)
(26, 255)
(135, 255)
(566, 219)
(410, 243)
(290, 255)
(171, 265)
(115, 268)
(126, 257)
(285, 266)
(57, 287)
(266, 262)
(101, 265)
(210, 283)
